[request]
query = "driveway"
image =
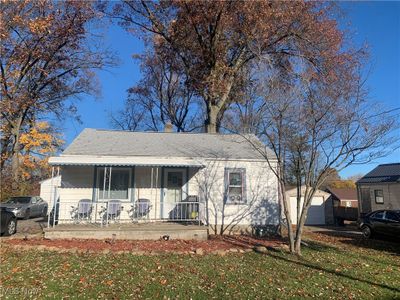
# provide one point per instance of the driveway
(349, 230)
(349, 235)
(31, 227)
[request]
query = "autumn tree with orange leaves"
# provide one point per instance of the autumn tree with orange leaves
(47, 58)
(37, 144)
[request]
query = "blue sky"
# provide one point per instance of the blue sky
(376, 23)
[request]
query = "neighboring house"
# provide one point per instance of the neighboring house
(379, 189)
(216, 179)
(320, 211)
(345, 204)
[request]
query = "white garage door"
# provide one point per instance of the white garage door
(316, 212)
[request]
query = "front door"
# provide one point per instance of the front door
(174, 182)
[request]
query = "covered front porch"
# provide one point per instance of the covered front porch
(125, 192)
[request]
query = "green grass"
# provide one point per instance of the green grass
(323, 272)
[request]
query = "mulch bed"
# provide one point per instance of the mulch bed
(214, 243)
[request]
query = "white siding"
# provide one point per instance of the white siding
(76, 184)
(48, 190)
(262, 206)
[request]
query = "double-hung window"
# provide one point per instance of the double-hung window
(235, 183)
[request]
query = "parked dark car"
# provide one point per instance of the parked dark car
(26, 206)
(381, 222)
(8, 222)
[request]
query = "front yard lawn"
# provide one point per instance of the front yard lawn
(325, 271)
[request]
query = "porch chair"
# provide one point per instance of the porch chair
(113, 212)
(83, 211)
(140, 209)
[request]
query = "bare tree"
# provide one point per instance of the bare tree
(130, 117)
(161, 97)
(318, 129)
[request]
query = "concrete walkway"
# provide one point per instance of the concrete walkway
(128, 231)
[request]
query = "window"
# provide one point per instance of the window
(115, 183)
(235, 186)
(378, 215)
(392, 216)
(348, 204)
(378, 196)
(19, 200)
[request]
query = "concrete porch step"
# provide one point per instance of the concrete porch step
(127, 232)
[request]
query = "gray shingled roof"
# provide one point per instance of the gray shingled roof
(383, 173)
(163, 144)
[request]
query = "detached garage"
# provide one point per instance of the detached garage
(320, 211)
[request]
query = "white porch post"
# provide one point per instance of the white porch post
(104, 181)
(51, 196)
(151, 184)
(156, 198)
(109, 182)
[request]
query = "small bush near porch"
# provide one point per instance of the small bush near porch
(334, 268)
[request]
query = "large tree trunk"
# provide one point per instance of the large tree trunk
(211, 120)
(5, 140)
(15, 153)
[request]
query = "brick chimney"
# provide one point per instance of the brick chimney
(168, 127)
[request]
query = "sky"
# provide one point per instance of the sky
(376, 23)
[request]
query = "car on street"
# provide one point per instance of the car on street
(8, 222)
(381, 223)
(25, 207)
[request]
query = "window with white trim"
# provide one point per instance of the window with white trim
(378, 196)
(235, 182)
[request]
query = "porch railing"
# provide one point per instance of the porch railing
(104, 213)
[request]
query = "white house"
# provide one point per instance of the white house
(214, 179)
